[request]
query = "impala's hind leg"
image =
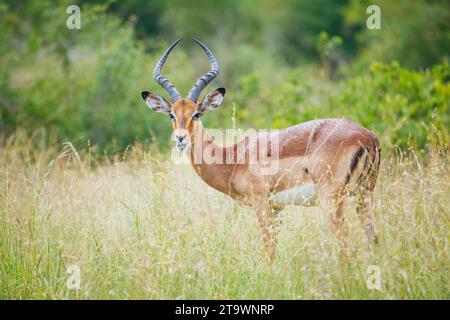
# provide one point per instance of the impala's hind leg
(333, 201)
(364, 209)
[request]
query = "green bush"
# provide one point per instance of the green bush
(85, 85)
(406, 108)
(403, 106)
(86, 88)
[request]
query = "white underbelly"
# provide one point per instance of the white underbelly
(304, 195)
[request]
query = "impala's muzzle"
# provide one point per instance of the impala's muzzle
(181, 139)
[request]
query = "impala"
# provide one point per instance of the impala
(321, 161)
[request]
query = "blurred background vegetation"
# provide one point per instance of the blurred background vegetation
(282, 62)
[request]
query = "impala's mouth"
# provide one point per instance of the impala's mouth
(181, 146)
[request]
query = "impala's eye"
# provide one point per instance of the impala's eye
(171, 116)
(195, 116)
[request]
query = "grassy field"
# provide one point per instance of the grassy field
(141, 227)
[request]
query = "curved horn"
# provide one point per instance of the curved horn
(206, 78)
(163, 82)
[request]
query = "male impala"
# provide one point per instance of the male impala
(328, 159)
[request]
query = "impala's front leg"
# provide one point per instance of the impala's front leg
(269, 224)
(274, 230)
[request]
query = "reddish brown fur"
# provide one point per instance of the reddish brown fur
(318, 151)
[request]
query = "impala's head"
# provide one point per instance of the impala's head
(183, 112)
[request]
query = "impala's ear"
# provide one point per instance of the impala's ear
(155, 102)
(212, 100)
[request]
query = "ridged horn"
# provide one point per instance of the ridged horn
(163, 81)
(207, 77)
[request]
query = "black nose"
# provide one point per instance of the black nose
(144, 94)
(181, 138)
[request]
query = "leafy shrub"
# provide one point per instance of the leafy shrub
(87, 88)
(403, 106)
(84, 85)
(406, 108)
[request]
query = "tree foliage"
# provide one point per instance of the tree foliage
(276, 58)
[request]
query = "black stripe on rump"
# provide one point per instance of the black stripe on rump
(355, 159)
(358, 154)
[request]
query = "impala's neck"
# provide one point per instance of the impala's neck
(209, 160)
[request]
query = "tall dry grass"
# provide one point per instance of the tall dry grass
(140, 227)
